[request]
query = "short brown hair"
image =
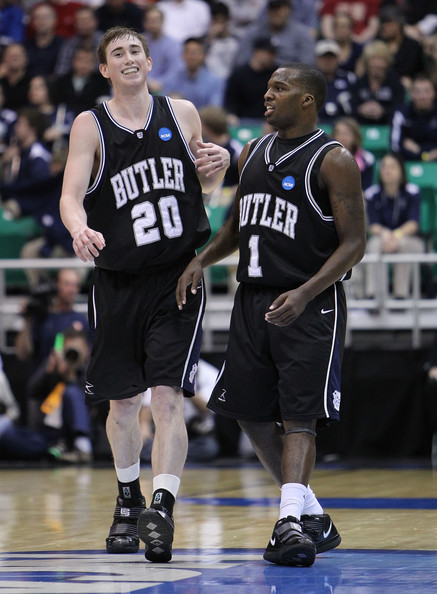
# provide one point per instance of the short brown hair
(117, 33)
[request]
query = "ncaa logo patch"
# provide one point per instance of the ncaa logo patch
(288, 182)
(165, 134)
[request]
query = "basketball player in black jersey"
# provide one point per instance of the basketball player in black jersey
(132, 201)
(298, 221)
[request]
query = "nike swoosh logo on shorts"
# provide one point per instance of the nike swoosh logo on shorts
(326, 534)
(325, 311)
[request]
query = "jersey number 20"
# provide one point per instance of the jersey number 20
(144, 217)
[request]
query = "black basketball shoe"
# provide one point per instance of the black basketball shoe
(156, 530)
(289, 546)
(322, 532)
(123, 534)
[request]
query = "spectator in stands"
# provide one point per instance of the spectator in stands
(85, 33)
(8, 118)
(347, 131)
(41, 201)
(293, 41)
(430, 50)
(414, 128)
(58, 118)
(215, 129)
(59, 420)
(9, 406)
(364, 14)
(65, 11)
(247, 84)
(11, 22)
(422, 20)
(350, 50)
(222, 44)
(338, 81)
(82, 88)
(25, 161)
(393, 211)
(186, 18)
(378, 92)
(193, 80)
(44, 44)
(119, 12)
(14, 76)
(305, 12)
(244, 13)
(407, 53)
(49, 310)
(166, 51)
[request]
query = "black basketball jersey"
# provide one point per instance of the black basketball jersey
(146, 198)
(287, 229)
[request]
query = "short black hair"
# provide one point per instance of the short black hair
(312, 80)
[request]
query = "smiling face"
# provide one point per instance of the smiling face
(126, 61)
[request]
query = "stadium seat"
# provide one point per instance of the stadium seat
(13, 235)
(376, 139)
(246, 133)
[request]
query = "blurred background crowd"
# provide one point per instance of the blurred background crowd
(380, 61)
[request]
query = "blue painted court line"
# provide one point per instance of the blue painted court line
(332, 502)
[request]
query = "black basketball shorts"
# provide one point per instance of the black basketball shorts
(276, 373)
(141, 338)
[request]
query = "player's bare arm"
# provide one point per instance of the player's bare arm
(340, 175)
(212, 160)
(84, 145)
(223, 244)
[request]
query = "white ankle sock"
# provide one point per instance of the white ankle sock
(130, 474)
(169, 482)
(292, 500)
(312, 505)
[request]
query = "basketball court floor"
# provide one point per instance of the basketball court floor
(54, 522)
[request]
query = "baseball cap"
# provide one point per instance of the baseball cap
(327, 46)
(264, 43)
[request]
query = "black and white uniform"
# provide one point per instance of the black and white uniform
(146, 200)
(287, 233)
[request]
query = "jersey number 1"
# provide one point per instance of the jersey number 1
(254, 269)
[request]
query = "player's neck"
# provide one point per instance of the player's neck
(297, 131)
(131, 110)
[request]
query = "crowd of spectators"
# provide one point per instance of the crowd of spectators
(379, 58)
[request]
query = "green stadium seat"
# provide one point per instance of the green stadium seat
(376, 139)
(13, 235)
(246, 133)
(424, 174)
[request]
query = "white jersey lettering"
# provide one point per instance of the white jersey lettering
(144, 176)
(284, 213)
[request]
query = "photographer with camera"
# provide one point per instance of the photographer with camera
(59, 421)
(49, 310)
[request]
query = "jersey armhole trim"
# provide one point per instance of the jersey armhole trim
(98, 177)
(184, 140)
(308, 191)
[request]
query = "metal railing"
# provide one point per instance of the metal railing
(414, 314)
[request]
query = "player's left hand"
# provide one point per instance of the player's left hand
(211, 158)
(286, 308)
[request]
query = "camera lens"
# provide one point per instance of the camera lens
(71, 355)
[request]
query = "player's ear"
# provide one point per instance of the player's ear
(103, 68)
(307, 100)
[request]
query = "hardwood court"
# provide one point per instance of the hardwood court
(59, 517)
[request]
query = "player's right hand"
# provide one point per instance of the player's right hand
(192, 275)
(88, 243)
